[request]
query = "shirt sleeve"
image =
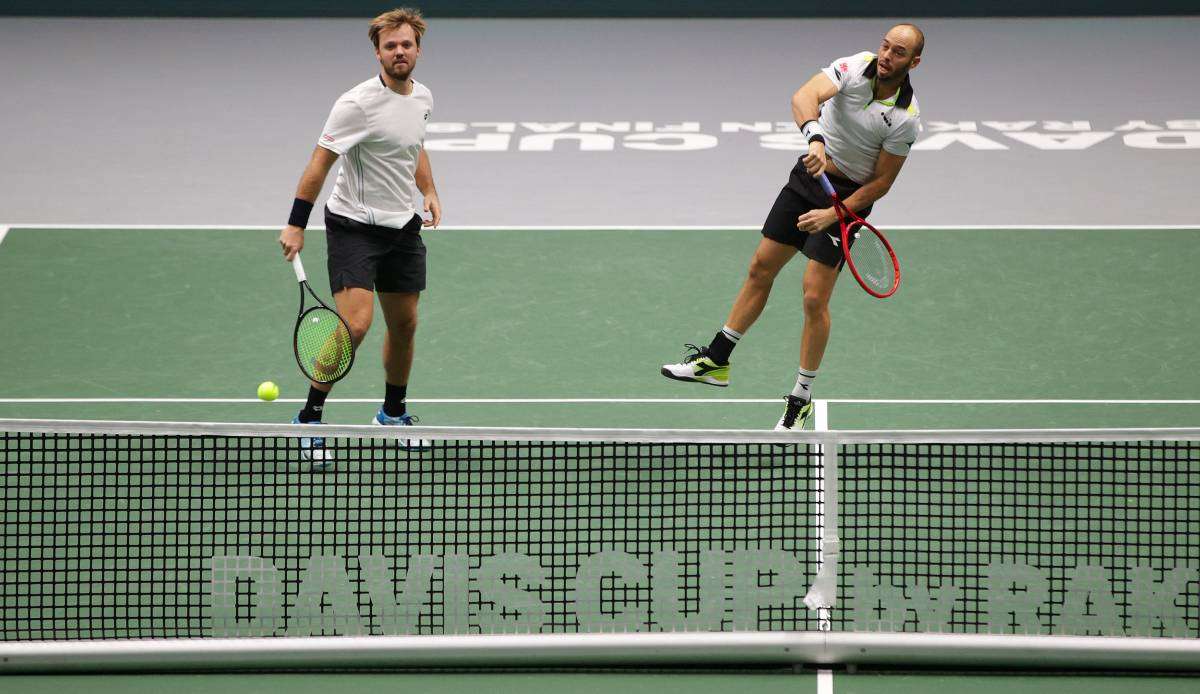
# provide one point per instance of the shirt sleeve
(844, 70)
(345, 128)
(900, 140)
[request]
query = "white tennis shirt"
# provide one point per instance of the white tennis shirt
(379, 135)
(857, 125)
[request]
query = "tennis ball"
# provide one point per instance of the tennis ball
(267, 391)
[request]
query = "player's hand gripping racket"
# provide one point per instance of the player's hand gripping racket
(322, 341)
(871, 258)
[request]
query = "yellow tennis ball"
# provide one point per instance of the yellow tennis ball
(267, 391)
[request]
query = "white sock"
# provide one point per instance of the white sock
(732, 334)
(803, 387)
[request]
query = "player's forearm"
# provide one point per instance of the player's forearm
(424, 175)
(313, 178)
(870, 192)
(310, 183)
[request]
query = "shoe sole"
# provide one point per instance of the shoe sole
(326, 462)
(798, 426)
(318, 465)
(403, 443)
(692, 379)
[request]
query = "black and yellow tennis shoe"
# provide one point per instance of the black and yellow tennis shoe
(698, 367)
(795, 413)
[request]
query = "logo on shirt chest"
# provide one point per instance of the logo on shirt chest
(427, 116)
(886, 120)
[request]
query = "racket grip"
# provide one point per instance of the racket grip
(827, 185)
(299, 268)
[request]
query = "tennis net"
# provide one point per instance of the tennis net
(126, 530)
(192, 531)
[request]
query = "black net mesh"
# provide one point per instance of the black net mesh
(164, 536)
(113, 536)
(1067, 538)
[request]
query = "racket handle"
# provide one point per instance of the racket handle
(827, 185)
(299, 268)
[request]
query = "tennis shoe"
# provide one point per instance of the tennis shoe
(795, 414)
(313, 451)
(698, 367)
(404, 420)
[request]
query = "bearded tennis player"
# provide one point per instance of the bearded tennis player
(373, 228)
(860, 118)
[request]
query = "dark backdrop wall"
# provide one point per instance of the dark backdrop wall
(593, 8)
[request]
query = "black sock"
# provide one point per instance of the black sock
(314, 407)
(393, 400)
(720, 348)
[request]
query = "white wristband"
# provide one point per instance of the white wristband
(812, 129)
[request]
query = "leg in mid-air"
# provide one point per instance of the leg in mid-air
(711, 364)
(819, 281)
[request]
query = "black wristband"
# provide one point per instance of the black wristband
(816, 138)
(301, 209)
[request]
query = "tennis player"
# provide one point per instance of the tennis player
(372, 227)
(860, 118)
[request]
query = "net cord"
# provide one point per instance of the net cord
(731, 436)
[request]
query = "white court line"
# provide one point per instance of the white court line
(820, 423)
(3, 233)
(824, 681)
(817, 406)
(603, 227)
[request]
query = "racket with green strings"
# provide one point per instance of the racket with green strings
(321, 340)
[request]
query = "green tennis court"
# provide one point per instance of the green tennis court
(992, 328)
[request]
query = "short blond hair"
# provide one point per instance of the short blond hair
(394, 19)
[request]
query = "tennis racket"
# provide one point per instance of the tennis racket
(321, 340)
(870, 257)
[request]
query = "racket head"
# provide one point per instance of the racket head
(322, 344)
(869, 254)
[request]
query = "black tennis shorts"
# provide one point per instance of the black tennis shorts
(383, 259)
(802, 194)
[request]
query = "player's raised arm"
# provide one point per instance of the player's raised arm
(311, 181)
(806, 108)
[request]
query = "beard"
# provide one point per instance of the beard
(396, 72)
(896, 75)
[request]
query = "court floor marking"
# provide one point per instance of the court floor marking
(820, 423)
(620, 401)
(824, 681)
(3, 233)
(649, 227)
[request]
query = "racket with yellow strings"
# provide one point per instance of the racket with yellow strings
(321, 340)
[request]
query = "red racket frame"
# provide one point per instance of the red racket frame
(848, 219)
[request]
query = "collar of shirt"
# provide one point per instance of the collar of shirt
(901, 98)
